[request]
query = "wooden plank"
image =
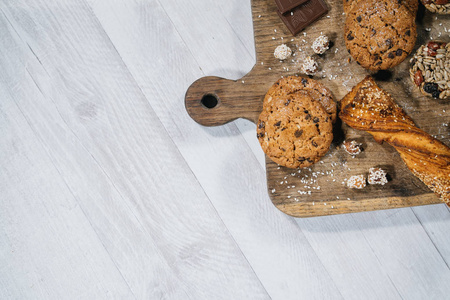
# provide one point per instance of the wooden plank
(46, 241)
(411, 261)
(226, 168)
(244, 100)
(435, 220)
(348, 257)
(115, 156)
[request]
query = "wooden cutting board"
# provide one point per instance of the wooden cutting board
(321, 190)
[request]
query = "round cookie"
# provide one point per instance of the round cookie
(294, 130)
(429, 69)
(379, 34)
(348, 5)
(315, 89)
(437, 6)
(412, 5)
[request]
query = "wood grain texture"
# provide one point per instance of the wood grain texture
(99, 117)
(297, 194)
(110, 190)
(47, 242)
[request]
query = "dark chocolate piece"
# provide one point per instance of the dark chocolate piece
(303, 15)
(286, 5)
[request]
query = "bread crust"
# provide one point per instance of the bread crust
(367, 107)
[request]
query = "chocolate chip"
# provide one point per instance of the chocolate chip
(350, 36)
(314, 144)
(391, 55)
(260, 135)
(261, 125)
(358, 18)
(301, 159)
(389, 43)
(283, 149)
(408, 32)
(304, 81)
(305, 111)
(308, 116)
(283, 129)
(310, 160)
(298, 133)
(316, 120)
(277, 123)
(399, 52)
(435, 94)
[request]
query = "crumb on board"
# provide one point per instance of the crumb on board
(356, 182)
(377, 176)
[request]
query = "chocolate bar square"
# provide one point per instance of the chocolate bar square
(286, 5)
(303, 15)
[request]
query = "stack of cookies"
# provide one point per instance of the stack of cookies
(380, 34)
(295, 127)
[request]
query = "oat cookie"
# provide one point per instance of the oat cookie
(430, 69)
(379, 34)
(294, 84)
(437, 6)
(294, 130)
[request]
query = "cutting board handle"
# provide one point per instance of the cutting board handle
(213, 101)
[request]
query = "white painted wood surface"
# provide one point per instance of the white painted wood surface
(109, 190)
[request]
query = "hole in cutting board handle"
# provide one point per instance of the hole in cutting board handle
(210, 101)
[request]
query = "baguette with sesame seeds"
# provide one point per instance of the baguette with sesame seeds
(368, 107)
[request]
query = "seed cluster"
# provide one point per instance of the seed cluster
(437, 6)
(430, 69)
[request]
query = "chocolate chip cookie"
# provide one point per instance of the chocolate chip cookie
(315, 89)
(380, 34)
(437, 6)
(294, 130)
(412, 5)
(429, 69)
(348, 5)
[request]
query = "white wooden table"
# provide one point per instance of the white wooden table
(109, 190)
